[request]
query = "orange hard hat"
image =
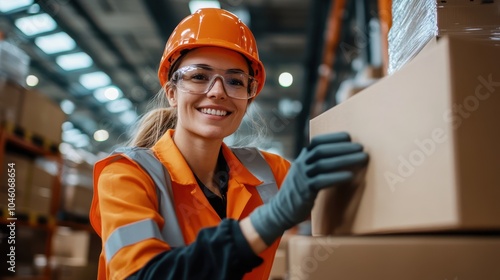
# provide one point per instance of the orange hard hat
(214, 28)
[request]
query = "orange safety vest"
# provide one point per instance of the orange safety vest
(136, 211)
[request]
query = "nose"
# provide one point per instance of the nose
(217, 89)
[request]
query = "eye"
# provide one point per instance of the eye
(236, 82)
(199, 77)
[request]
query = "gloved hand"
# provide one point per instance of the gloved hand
(330, 160)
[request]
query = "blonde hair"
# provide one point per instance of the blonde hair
(159, 118)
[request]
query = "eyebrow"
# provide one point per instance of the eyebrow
(208, 67)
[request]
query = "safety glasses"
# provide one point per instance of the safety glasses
(199, 79)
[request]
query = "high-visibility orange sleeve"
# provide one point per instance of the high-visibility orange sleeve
(127, 195)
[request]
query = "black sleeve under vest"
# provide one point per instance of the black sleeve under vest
(220, 252)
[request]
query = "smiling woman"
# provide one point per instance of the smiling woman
(220, 216)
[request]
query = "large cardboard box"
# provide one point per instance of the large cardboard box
(394, 258)
(42, 117)
(431, 130)
(11, 95)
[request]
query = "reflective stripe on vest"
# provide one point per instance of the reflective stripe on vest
(251, 158)
(130, 234)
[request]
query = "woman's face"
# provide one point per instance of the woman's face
(214, 115)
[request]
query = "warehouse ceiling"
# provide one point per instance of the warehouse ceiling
(125, 40)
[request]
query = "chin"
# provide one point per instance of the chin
(215, 132)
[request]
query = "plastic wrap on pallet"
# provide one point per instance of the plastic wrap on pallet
(14, 62)
(416, 22)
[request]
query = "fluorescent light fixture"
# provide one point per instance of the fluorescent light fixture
(81, 141)
(128, 117)
(11, 5)
(75, 137)
(107, 94)
(33, 25)
(70, 134)
(95, 80)
(67, 126)
(67, 106)
(74, 61)
(54, 43)
(119, 105)
(33, 9)
(195, 5)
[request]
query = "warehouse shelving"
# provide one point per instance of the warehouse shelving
(14, 140)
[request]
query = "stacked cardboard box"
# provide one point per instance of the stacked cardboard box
(32, 188)
(432, 135)
(77, 190)
(394, 258)
(31, 111)
(11, 97)
(41, 116)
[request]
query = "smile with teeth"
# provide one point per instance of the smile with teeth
(214, 112)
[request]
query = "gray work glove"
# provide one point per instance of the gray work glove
(330, 160)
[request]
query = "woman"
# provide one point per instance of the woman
(210, 73)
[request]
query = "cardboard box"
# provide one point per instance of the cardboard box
(70, 247)
(278, 271)
(77, 200)
(42, 117)
(11, 95)
(394, 258)
(40, 195)
(432, 134)
(23, 171)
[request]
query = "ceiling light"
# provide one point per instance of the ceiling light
(82, 141)
(33, 25)
(70, 134)
(75, 137)
(67, 106)
(74, 61)
(128, 117)
(285, 79)
(119, 105)
(54, 43)
(67, 126)
(107, 94)
(195, 5)
(33, 9)
(11, 5)
(94, 80)
(101, 135)
(32, 80)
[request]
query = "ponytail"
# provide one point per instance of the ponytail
(152, 125)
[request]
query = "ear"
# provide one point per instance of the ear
(172, 100)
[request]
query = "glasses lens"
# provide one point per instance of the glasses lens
(197, 80)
